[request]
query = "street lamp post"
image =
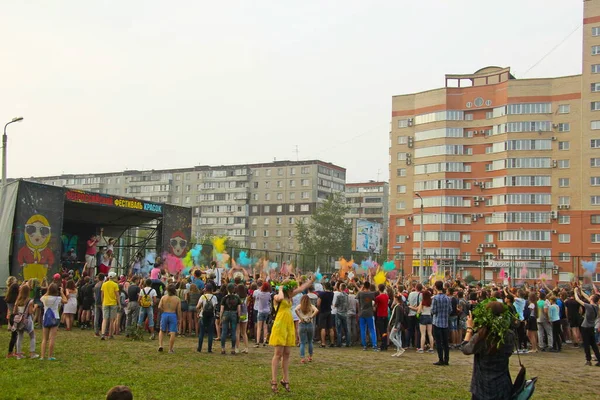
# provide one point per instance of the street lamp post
(4, 143)
(421, 241)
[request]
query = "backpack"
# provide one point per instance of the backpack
(50, 320)
(146, 300)
(21, 318)
(232, 302)
(208, 310)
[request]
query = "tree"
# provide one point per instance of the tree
(327, 232)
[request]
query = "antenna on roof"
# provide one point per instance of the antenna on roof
(297, 151)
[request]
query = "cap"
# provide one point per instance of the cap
(112, 274)
(56, 276)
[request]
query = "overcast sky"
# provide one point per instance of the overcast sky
(111, 85)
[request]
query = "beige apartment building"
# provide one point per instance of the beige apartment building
(507, 170)
(256, 205)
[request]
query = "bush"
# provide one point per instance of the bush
(469, 278)
(135, 333)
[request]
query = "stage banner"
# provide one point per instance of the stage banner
(38, 227)
(176, 230)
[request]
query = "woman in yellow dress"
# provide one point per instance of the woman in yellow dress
(283, 334)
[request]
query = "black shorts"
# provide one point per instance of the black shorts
(532, 324)
(325, 321)
(575, 322)
(87, 305)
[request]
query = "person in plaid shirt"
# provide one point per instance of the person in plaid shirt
(440, 310)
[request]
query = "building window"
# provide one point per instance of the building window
(278, 233)
(595, 30)
(564, 219)
(595, 143)
(564, 127)
(291, 220)
(279, 209)
(400, 239)
(401, 156)
(564, 108)
(305, 170)
(564, 238)
(187, 199)
(279, 196)
(595, 50)
(401, 189)
(595, 200)
(267, 209)
(563, 145)
(489, 238)
(595, 87)
(595, 237)
(466, 238)
(304, 182)
(400, 205)
(595, 125)
(266, 233)
(401, 172)
(254, 221)
(292, 183)
(466, 256)
(595, 68)
(400, 222)
(278, 220)
(594, 162)
(564, 200)
(402, 139)
(402, 123)
(267, 196)
(564, 257)
(304, 207)
(279, 184)
(292, 196)
(564, 164)
(305, 195)
(280, 171)
(266, 221)
(254, 196)
(469, 117)
(595, 219)
(595, 181)
(292, 208)
(563, 182)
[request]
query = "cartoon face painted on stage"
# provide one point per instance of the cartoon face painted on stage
(178, 244)
(36, 256)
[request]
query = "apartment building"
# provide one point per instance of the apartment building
(505, 169)
(368, 201)
(256, 205)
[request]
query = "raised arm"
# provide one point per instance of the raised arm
(303, 287)
(578, 299)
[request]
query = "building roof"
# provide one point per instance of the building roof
(366, 184)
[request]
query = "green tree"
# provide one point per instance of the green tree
(327, 232)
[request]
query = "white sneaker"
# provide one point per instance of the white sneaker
(400, 352)
(395, 355)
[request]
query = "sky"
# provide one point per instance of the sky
(106, 86)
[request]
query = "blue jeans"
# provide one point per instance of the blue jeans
(306, 332)
(229, 317)
(341, 324)
(368, 322)
(206, 327)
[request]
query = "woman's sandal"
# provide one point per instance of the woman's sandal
(286, 385)
(274, 387)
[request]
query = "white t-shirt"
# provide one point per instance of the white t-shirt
(150, 292)
(206, 298)
(333, 308)
(318, 287)
(352, 302)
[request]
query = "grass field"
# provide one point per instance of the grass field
(87, 367)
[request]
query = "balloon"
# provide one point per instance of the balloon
(389, 265)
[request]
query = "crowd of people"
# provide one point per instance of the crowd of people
(287, 311)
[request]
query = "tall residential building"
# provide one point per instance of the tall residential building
(256, 205)
(367, 201)
(507, 169)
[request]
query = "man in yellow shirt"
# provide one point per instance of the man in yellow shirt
(110, 305)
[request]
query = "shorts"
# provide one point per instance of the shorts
(462, 324)
(168, 322)
(453, 323)
(109, 312)
(263, 317)
(575, 322)
(244, 318)
(90, 260)
(146, 311)
(425, 320)
(184, 306)
(87, 305)
(103, 269)
(326, 321)
(532, 324)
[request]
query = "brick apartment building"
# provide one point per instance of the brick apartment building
(508, 170)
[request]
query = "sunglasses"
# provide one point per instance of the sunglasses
(43, 230)
(181, 243)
